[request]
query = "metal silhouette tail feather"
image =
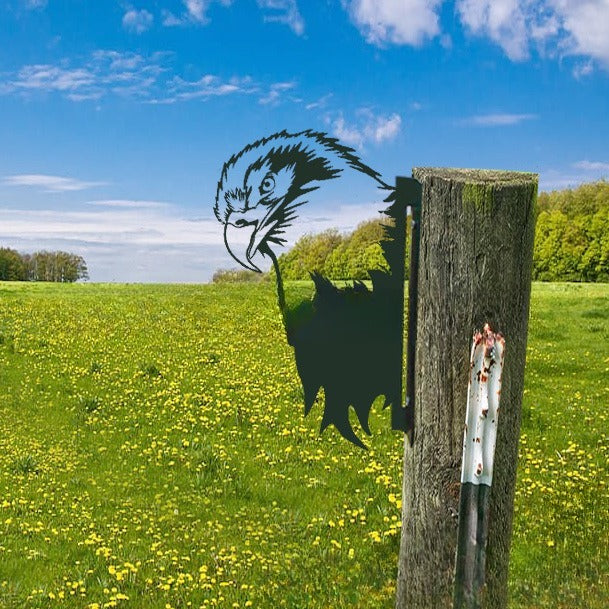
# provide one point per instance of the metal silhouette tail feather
(349, 340)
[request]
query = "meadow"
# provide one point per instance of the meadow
(153, 454)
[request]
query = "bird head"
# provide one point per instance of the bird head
(262, 186)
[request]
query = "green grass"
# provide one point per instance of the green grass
(153, 454)
(560, 555)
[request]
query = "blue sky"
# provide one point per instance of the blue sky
(116, 117)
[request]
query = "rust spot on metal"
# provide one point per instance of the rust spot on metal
(479, 469)
(484, 378)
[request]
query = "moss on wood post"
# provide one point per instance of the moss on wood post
(477, 230)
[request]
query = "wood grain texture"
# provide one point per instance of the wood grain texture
(477, 230)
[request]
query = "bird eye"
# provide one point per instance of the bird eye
(267, 185)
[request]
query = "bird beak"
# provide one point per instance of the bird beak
(244, 232)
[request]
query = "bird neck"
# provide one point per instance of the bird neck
(280, 290)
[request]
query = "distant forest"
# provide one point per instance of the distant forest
(61, 267)
(571, 243)
(572, 234)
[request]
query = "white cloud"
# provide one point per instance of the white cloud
(368, 128)
(196, 10)
(580, 172)
(503, 21)
(122, 244)
(592, 166)
(153, 243)
(408, 22)
(80, 97)
(194, 13)
(137, 21)
(47, 77)
(554, 27)
(211, 85)
(322, 102)
(128, 74)
(129, 204)
(171, 20)
(207, 86)
(148, 79)
(49, 183)
(495, 120)
(278, 11)
(204, 88)
(347, 134)
(273, 97)
(386, 128)
(120, 226)
(283, 11)
(103, 73)
(583, 69)
(555, 179)
(35, 4)
(586, 23)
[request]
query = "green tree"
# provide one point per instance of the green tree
(12, 265)
(571, 237)
(57, 266)
(586, 199)
(309, 254)
(595, 260)
(338, 257)
(238, 276)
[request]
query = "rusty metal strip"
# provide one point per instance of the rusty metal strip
(482, 412)
(479, 441)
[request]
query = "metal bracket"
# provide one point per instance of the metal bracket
(410, 192)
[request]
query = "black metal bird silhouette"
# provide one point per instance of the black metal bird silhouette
(347, 340)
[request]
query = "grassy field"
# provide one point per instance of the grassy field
(153, 455)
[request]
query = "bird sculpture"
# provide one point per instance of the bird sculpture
(346, 340)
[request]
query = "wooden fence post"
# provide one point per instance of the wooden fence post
(477, 230)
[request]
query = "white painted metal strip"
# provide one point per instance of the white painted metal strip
(482, 407)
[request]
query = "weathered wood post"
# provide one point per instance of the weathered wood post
(477, 230)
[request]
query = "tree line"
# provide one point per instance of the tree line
(59, 266)
(335, 255)
(571, 243)
(572, 234)
(238, 276)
